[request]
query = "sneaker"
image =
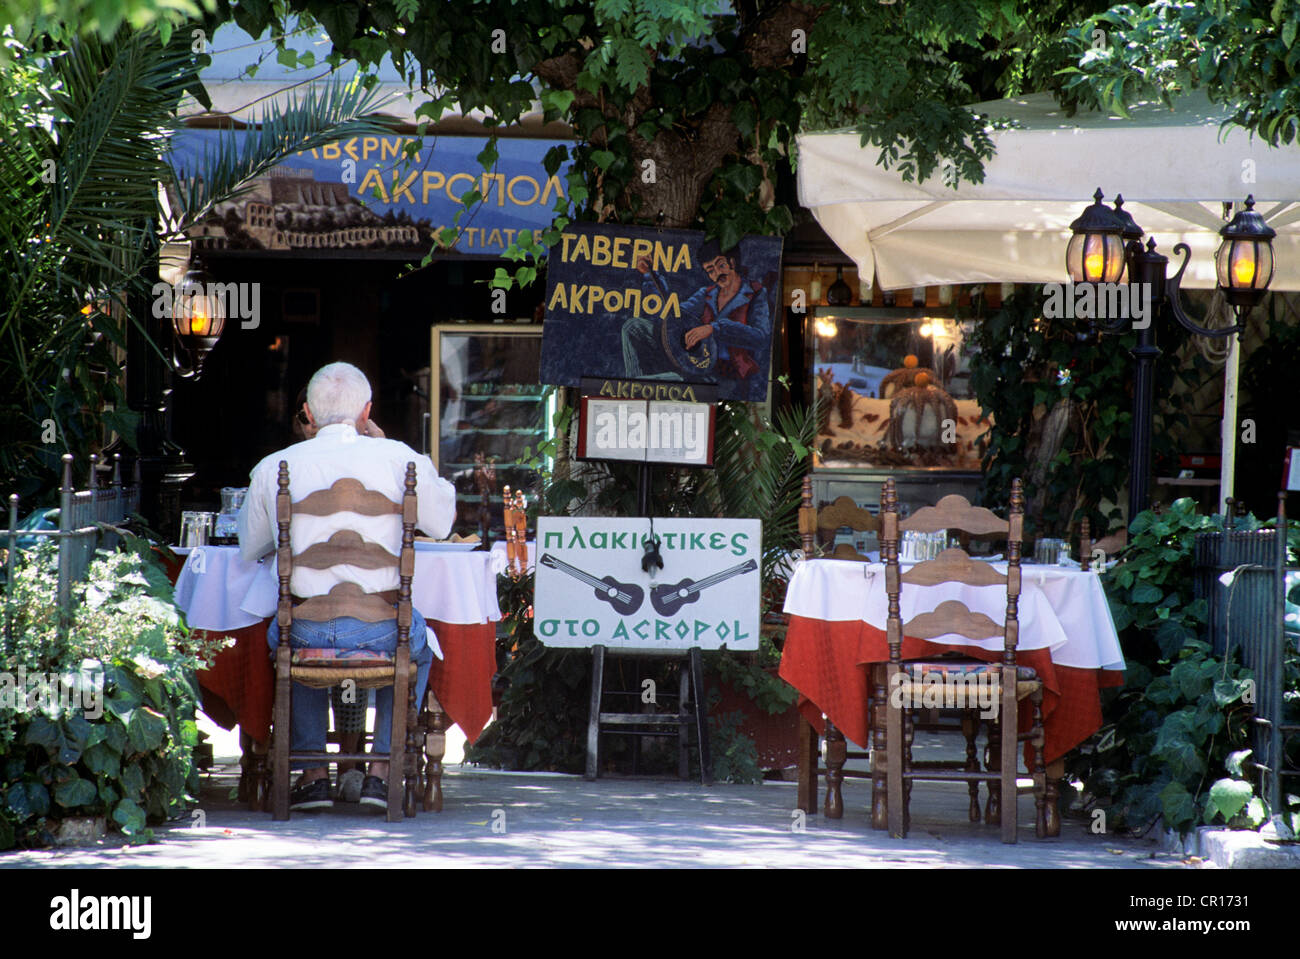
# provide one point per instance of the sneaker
(374, 792)
(349, 789)
(312, 795)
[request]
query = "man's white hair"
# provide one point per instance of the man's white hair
(337, 394)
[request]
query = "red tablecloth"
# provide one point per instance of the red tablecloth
(830, 664)
(240, 686)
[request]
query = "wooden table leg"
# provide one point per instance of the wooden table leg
(435, 747)
(836, 755)
(254, 784)
(1055, 773)
(809, 759)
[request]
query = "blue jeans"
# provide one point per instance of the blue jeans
(309, 709)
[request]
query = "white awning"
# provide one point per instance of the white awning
(1175, 170)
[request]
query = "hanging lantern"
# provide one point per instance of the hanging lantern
(1244, 263)
(1096, 250)
(198, 317)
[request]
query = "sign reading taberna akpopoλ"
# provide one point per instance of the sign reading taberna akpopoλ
(591, 588)
(642, 304)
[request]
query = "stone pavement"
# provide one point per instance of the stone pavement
(552, 820)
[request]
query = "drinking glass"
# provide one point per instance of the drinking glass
(195, 528)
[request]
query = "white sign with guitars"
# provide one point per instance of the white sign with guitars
(592, 588)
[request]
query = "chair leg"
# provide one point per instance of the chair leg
(1040, 768)
(836, 755)
(280, 735)
(435, 747)
(1010, 744)
(894, 765)
(909, 734)
(879, 752)
(411, 771)
(397, 745)
(970, 727)
(993, 762)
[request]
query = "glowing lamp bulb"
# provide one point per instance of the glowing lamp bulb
(1243, 271)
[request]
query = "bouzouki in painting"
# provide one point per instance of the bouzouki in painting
(626, 598)
(668, 599)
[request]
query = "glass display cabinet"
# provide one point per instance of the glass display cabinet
(894, 396)
(489, 415)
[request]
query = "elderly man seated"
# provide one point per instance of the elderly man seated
(338, 404)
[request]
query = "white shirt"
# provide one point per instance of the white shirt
(336, 451)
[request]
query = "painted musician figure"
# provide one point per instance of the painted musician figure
(724, 330)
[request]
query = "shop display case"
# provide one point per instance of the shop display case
(489, 416)
(894, 395)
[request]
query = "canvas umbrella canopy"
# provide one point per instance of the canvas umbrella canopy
(1176, 169)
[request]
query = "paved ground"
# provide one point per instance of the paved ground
(553, 820)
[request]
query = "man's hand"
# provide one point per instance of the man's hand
(698, 333)
(643, 265)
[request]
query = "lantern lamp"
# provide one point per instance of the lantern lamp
(1096, 250)
(1244, 262)
(198, 318)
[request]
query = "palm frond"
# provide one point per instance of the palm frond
(759, 473)
(326, 112)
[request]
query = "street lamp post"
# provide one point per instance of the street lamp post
(1244, 266)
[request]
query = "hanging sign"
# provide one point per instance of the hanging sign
(680, 434)
(637, 303)
(591, 588)
(365, 193)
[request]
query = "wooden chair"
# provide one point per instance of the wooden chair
(320, 670)
(812, 522)
(897, 694)
(1109, 545)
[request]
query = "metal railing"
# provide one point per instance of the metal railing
(86, 522)
(1247, 615)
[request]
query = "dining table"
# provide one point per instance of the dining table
(454, 587)
(837, 611)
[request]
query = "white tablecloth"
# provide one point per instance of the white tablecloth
(1062, 610)
(219, 590)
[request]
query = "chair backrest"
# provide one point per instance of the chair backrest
(952, 566)
(345, 548)
(1108, 545)
(842, 512)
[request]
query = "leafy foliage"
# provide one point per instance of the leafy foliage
(735, 757)
(541, 723)
(1181, 720)
(86, 126)
(1032, 370)
(1244, 55)
(686, 112)
(122, 744)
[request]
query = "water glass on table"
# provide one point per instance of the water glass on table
(1051, 552)
(196, 526)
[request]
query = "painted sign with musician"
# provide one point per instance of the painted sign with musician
(644, 304)
(592, 587)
